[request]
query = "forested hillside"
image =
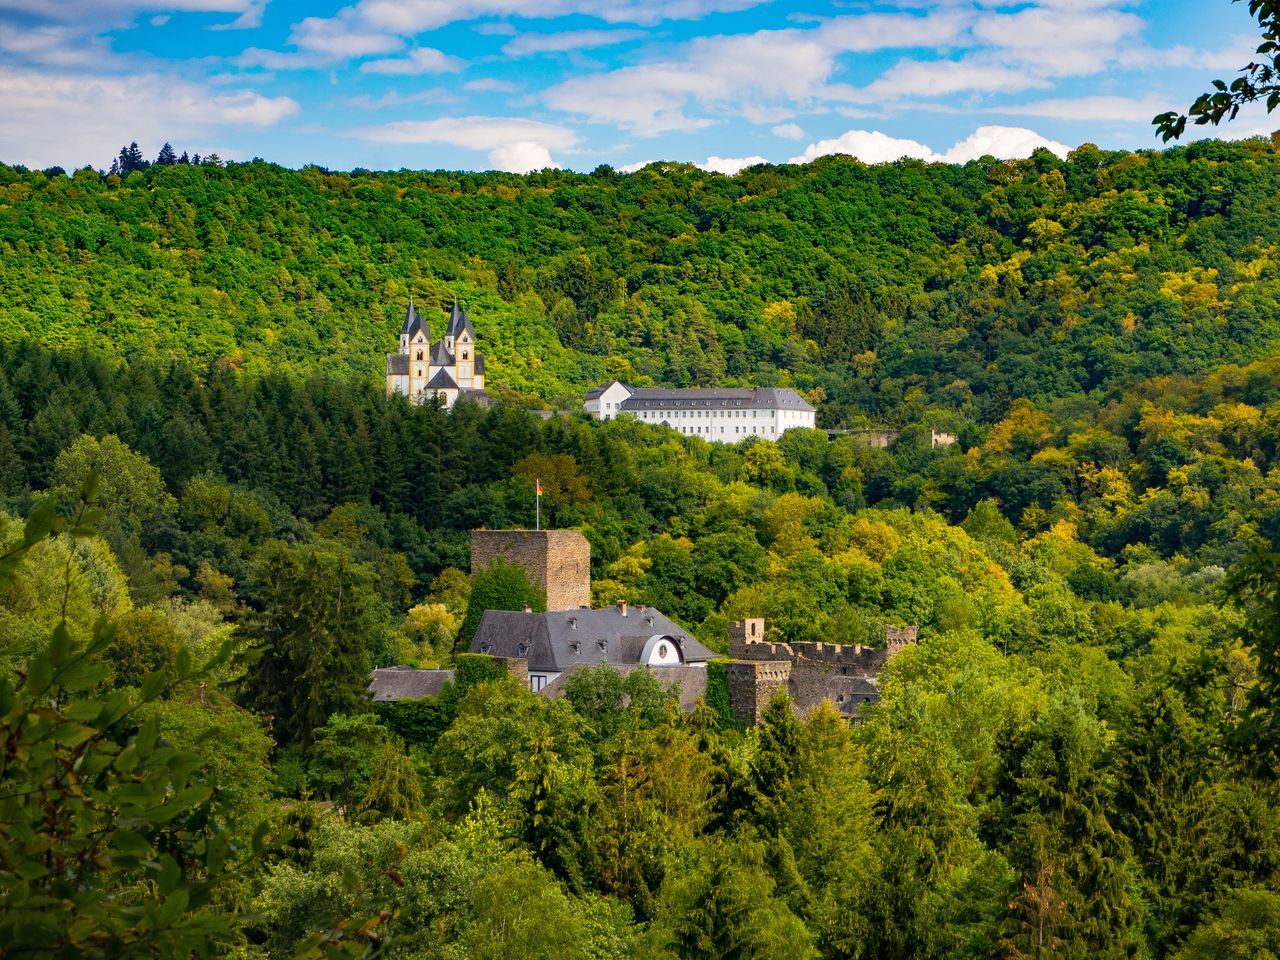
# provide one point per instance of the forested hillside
(213, 523)
(890, 286)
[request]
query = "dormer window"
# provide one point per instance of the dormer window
(573, 623)
(522, 649)
(603, 644)
(575, 646)
(484, 646)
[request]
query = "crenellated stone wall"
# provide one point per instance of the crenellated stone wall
(809, 672)
(752, 684)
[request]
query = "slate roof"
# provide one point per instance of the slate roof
(459, 321)
(439, 355)
(397, 364)
(719, 398)
(479, 366)
(442, 381)
(691, 679)
(413, 321)
(596, 392)
(389, 684)
(555, 641)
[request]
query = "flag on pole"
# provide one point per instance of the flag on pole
(537, 523)
(539, 483)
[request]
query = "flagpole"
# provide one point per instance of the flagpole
(538, 508)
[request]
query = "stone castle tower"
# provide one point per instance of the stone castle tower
(558, 562)
(450, 369)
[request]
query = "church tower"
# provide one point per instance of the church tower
(407, 371)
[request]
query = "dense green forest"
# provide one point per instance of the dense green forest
(889, 287)
(213, 524)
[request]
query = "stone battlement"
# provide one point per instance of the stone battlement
(809, 672)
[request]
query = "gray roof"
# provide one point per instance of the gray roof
(555, 641)
(459, 321)
(397, 363)
(690, 679)
(388, 684)
(413, 321)
(596, 392)
(719, 398)
(442, 381)
(479, 367)
(439, 356)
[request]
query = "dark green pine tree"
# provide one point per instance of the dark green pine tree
(1169, 758)
(131, 159)
(166, 157)
(1077, 869)
(317, 613)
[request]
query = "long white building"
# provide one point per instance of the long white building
(719, 415)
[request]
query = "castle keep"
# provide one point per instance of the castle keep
(558, 562)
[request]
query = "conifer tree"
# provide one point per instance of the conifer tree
(317, 615)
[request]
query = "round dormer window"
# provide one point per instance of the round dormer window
(662, 651)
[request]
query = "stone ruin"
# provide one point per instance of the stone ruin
(844, 674)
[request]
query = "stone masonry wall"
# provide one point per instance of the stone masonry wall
(752, 684)
(556, 561)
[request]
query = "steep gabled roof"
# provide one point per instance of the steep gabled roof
(442, 381)
(397, 364)
(596, 392)
(413, 322)
(440, 355)
(459, 321)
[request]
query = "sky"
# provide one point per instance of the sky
(520, 85)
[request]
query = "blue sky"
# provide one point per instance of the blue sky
(523, 84)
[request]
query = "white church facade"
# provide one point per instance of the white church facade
(718, 415)
(449, 369)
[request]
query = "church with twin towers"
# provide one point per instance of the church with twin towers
(450, 369)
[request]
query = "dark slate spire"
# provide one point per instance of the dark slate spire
(459, 321)
(412, 320)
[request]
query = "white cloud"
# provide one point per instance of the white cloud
(789, 131)
(91, 112)
(1095, 108)
(935, 78)
(408, 18)
(101, 13)
(490, 85)
(761, 76)
(633, 167)
(512, 143)
(730, 165)
(522, 156)
(872, 146)
(1004, 143)
(528, 44)
(420, 61)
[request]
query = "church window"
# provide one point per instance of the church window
(419, 354)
